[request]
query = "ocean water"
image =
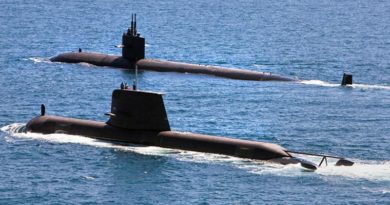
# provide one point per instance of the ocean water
(314, 41)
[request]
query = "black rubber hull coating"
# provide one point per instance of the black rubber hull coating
(166, 66)
(167, 139)
(97, 59)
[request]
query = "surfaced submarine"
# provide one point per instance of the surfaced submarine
(133, 55)
(139, 117)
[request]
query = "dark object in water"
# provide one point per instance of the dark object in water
(133, 45)
(341, 161)
(344, 162)
(133, 54)
(347, 79)
(139, 117)
(43, 110)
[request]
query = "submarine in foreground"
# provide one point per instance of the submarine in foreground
(139, 117)
(133, 55)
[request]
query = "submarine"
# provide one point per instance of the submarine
(133, 55)
(140, 117)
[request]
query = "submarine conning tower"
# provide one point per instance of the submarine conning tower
(133, 45)
(138, 110)
(347, 79)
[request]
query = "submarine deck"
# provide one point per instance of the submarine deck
(169, 139)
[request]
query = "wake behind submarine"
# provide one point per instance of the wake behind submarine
(133, 55)
(139, 117)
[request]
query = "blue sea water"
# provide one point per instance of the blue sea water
(314, 41)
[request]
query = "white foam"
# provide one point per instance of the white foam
(40, 60)
(356, 86)
(87, 64)
(369, 170)
(380, 190)
(319, 83)
(370, 87)
(13, 128)
(89, 177)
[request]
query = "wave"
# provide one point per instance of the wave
(14, 128)
(356, 86)
(319, 83)
(39, 60)
(87, 64)
(47, 60)
(368, 170)
(371, 87)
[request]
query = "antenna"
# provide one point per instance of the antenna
(132, 24)
(135, 24)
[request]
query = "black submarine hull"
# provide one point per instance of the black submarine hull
(167, 139)
(139, 117)
(99, 59)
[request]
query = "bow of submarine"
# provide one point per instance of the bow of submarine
(97, 59)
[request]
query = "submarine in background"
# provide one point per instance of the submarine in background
(139, 117)
(133, 55)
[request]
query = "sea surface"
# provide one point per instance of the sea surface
(313, 41)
